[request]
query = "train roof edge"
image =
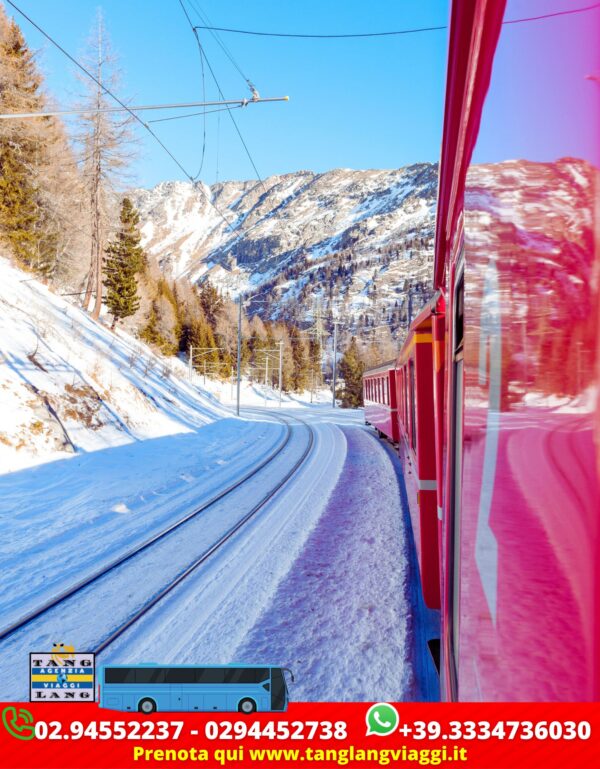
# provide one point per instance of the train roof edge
(474, 32)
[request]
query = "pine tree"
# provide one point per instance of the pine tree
(351, 370)
(124, 259)
(202, 339)
(211, 302)
(23, 152)
(315, 355)
(300, 377)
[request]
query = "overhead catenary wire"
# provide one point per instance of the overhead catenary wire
(231, 103)
(201, 53)
(193, 114)
(202, 15)
(108, 92)
(214, 77)
(387, 33)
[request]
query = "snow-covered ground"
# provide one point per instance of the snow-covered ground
(103, 445)
(70, 386)
(257, 394)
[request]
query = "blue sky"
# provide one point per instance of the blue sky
(373, 103)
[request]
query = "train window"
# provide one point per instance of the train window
(399, 395)
(413, 405)
(405, 400)
(402, 399)
(456, 496)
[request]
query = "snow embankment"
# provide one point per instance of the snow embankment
(68, 385)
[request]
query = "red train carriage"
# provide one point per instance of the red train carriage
(497, 384)
(415, 380)
(379, 397)
(518, 259)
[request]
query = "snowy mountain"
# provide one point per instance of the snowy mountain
(352, 239)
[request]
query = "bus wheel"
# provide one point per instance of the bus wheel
(247, 706)
(147, 705)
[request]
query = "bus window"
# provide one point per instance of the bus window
(278, 690)
(147, 675)
(180, 676)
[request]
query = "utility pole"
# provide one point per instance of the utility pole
(280, 368)
(266, 376)
(239, 354)
(335, 325)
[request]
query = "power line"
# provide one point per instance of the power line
(224, 48)
(142, 108)
(193, 114)
(124, 106)
(103, 87)
(183, 8)
(390, 33)
(214, 77)
(552, 15)
(317, 37)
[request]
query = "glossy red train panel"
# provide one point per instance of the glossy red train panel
(511, 384)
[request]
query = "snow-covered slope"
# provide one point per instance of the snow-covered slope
(350, 237)
(70, 386)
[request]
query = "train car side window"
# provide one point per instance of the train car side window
(405, 400)
(457, 452)
(413, 405)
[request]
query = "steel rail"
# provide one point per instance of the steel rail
(91, 578)
(213, 548)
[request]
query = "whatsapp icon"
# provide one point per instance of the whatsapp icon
(382, 718)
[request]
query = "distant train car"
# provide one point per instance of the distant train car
(379, 397)
(414, 381)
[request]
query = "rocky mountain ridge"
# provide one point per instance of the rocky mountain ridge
(348, 243)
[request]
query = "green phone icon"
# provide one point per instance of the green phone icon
(382, 718)
(18, 723)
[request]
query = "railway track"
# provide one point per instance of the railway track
(203, 557)
(163, 535)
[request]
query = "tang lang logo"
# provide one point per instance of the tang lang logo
(61, 675)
